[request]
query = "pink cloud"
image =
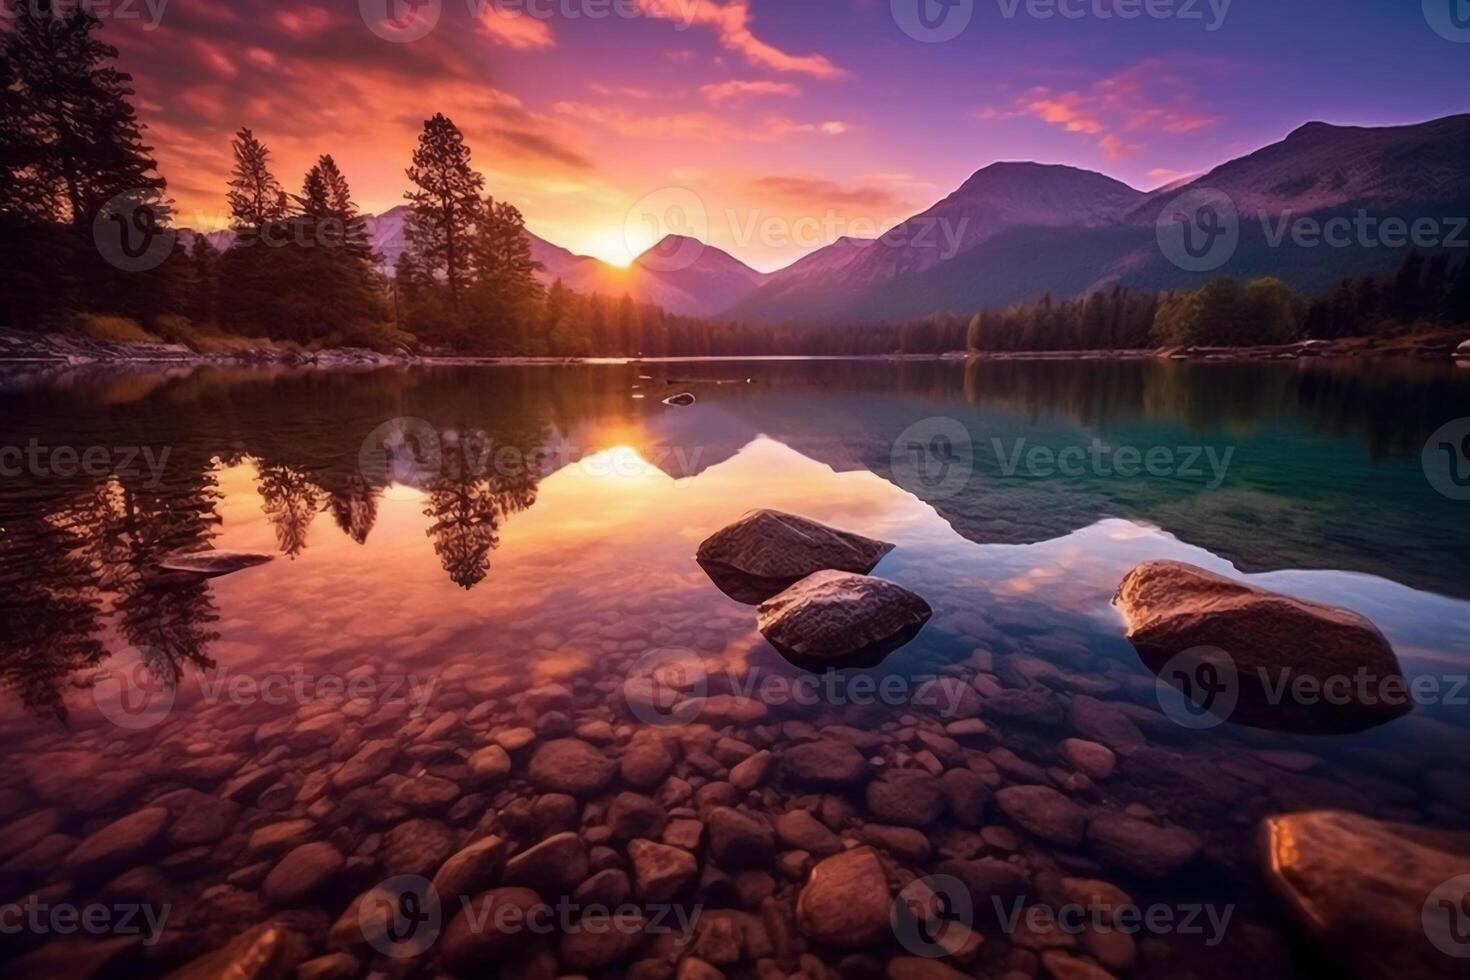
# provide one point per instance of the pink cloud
(736, 89)
(697, 125)
(731, 21)
(1153, 96)
(515, 30)
(1065, 110)
(1115, 148)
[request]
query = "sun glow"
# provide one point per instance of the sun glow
(610, 245)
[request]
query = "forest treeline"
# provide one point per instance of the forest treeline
(1427, 291)
(82, 203)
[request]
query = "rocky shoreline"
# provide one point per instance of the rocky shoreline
(49, 351)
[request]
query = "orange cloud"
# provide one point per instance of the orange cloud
(731, 21)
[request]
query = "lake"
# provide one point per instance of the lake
(474, 557)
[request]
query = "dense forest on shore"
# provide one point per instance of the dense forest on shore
(82, 202)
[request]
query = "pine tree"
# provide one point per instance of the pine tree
(312, 201)
(85, 143)
(505, 289)
(446, 205)
(256, 197)
(343, 209)
(23, 195)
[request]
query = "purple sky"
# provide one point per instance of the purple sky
(781, 123)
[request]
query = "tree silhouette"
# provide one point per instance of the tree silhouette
(50, 604)
(291, 502)
(467, 508)
(446, 205)
(355, 509)
(256, 198)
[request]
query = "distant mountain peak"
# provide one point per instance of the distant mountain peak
(1022, 174)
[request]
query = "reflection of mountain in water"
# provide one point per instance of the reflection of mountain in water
(1324, 471)
(1314, 467)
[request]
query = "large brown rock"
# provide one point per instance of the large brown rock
(471, 869)
(838, 618)
(488, 929)
(1172, 608)
(121, 842)
(598, 941)
(661, 871)
(766, 551)
(1142, 849)
(739, 841)
(824, 764)
(907, 797)
(570, 765)
(553, 867)
(846, 903)
(303, 872)
(1045, 813)
(1367, 893)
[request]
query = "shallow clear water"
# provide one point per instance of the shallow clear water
(546, 535)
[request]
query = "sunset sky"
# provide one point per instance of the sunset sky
(791, 121)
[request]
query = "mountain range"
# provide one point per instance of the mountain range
(1017, 231)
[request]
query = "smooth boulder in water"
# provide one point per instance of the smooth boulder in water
(214, 563)
(1376, 899)
(682, 400)
(838, 619)
(767, 551)
(1293, 665)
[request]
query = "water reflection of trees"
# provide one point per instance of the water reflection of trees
(78, 555)
(291, 501)
(82, 555)
(478, 487)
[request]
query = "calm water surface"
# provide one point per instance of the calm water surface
(545, 534)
